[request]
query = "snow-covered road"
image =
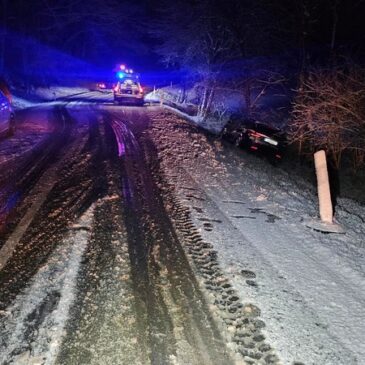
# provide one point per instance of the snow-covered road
(191, 251)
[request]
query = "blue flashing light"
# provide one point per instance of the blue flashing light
(120, 75)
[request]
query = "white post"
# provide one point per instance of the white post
(324, 193)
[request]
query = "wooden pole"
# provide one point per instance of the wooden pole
(324, 193)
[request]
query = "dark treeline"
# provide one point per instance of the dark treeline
(242, 41)
(184, 33)
(92, 32)
(245, 28)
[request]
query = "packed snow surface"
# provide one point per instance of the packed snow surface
(309, 286)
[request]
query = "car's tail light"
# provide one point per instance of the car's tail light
(256, 134)
(141, 90)
(115, 88)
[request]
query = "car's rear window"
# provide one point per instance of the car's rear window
(262, 128)
(128, 82)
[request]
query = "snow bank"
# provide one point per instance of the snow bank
(35, 96)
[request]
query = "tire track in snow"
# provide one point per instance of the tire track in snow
(325, 339)
(46, 182)
(33, 327)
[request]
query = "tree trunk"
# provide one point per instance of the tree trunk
(202, 104)
(334, 25)
(183, 93)
(209, 101)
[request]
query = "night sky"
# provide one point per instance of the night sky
(147, 34)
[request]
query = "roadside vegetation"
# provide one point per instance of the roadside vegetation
(291, 64)
(329, 113)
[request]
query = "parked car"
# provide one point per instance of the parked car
(256, 136)
(128, 91)
(105, 86)
(6, 115)
(101, 85)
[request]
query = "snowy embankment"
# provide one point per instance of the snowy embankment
(39, 95)
(182, 109)
(270, 107)
(309, 286)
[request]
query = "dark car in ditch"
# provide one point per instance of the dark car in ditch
(256, 136)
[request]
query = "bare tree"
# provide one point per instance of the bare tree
(254, 80)
(329, 113)
(194, 39)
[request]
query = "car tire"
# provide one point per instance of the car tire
(273, 160)
(246, 142)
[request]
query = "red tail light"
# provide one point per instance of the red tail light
(256, 134)
(115, 88)
(140, 89)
